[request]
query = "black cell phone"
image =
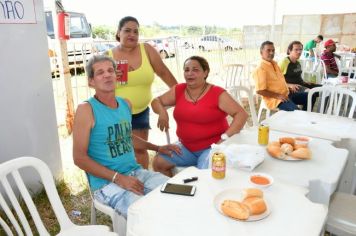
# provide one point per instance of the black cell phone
(180, 189)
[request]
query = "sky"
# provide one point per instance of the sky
(225, 13)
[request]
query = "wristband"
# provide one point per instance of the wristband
(114, 177)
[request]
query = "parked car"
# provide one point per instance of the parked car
(101, 47)
(215, 42)
(162, 46)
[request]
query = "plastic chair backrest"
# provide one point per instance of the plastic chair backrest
(341, 106)
(250, 84)
(5, 227)
(337, 102)
(316, 52)
(232, 75)
(322, 70)
(237, 93)
(12, 168)
(326, 96)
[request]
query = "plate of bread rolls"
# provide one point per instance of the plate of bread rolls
(290, 149)
(242, 204)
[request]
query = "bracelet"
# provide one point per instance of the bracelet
(114, 177)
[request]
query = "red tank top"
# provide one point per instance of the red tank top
(199, 125)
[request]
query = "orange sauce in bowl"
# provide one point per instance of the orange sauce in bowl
(257, 179)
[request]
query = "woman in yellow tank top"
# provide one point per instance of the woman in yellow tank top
(143, 61)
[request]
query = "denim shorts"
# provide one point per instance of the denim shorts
(120, 199)
(200, 158)
(141, 120)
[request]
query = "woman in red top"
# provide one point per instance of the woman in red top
(200, 111)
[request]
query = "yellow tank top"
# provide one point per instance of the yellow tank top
(138, 88)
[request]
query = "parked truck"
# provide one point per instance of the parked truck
(79, 46)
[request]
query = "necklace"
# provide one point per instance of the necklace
(201, 93)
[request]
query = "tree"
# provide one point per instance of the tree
(103, 32)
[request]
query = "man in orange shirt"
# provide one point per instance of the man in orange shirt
(271, 84)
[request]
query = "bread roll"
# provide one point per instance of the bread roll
(301, 153)
(275, 151)
(275, 143)
(286, 148)
(301, 142)
(256, 205)
(235, 209)
(297, 146)
(289, 140)
(252, 192)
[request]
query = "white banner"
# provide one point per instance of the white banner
(17, 12)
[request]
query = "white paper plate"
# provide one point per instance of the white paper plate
(289, 158)
(236, 194)
(270, 178)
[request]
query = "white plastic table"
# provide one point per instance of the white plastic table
(340, 130)
(321, 174)
(159, 214)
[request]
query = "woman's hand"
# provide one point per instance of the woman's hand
(118, 75)
(130, 183)
(169, 149)
(163, 121)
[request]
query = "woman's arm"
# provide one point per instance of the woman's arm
(159, 67)
(231, 107)
(159, 106)
(165, 149)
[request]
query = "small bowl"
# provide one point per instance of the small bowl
(302, 141)
(261, 180)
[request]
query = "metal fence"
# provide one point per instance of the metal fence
(217, 55)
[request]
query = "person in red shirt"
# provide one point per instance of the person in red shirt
(200, 110)
(328, 56)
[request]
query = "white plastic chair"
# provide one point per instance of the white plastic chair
(263, 107)
(5, 227)
(321, 72)
(11, 170)
(232, 75)
(352, 69)
(316, 53)
(344, 64)
(342, 215)
(325, 98)
(338, 103)
(118, 221)
(342, 105)
(236, 93)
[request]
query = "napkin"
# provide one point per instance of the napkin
(241, 156)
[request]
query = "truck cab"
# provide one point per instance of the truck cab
(79, 46)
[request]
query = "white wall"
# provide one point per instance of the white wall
(27, 111)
